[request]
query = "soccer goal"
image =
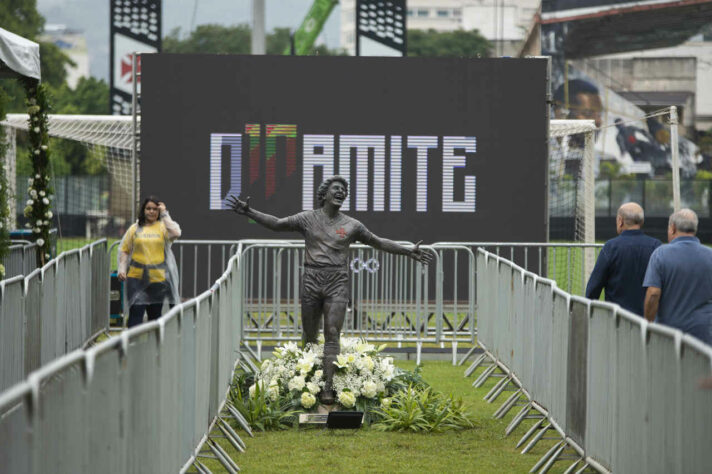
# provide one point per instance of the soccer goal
(572, 194)
(92, 174)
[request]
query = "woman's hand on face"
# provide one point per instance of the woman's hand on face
(161, 208)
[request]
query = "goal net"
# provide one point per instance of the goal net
(572, 200)
(91, 173)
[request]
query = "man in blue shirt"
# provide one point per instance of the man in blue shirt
(679, 280)
(621, 265)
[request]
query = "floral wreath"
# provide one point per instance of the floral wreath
(40, 193)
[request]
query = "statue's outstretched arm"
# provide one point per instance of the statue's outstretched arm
(393, 247)
(271, 222)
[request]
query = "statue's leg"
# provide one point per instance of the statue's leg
(312, 310)
(312, 306)
(334, 314)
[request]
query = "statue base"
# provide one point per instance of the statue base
(326, 409)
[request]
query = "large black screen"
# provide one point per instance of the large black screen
(434, 149)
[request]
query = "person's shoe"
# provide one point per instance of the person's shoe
(327, 397)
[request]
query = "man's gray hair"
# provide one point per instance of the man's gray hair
(684, 220)
(632, 214)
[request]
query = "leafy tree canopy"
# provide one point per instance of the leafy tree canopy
(459, 43)
(236, 39)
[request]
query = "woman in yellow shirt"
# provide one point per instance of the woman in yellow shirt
(146, 262)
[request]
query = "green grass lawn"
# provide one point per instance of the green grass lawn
(70, 243)
(483, 449)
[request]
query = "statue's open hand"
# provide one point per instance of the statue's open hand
(423, 256)
(238, 205)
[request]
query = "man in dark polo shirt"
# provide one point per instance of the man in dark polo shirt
(679, 280)
(621, 265)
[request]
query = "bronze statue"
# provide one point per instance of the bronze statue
(325, 284)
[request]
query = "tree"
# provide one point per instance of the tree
(215, 39)
(22, 18)
(237, 39)
(459, 43)
(89, 97)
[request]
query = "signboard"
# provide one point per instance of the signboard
(135, 28)
(444, 150)
(381, 28)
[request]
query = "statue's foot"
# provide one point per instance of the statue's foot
(327, 397)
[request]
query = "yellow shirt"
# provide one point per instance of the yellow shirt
(147, 247)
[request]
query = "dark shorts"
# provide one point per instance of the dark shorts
(325, 284)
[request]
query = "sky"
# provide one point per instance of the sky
(94, 20)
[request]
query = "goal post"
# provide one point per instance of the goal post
(572, 193)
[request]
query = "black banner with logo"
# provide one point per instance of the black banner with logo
(434, 149)
(135, 28)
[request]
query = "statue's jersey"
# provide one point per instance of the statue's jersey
(327, 240)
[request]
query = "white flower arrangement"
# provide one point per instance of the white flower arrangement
(361, 374)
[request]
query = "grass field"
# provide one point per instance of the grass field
(484, 449)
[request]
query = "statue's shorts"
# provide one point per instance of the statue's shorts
(324, 285)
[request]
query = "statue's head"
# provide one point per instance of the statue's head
(324, 188)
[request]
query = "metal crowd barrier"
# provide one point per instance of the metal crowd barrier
(21, 259)
(53, 310)
(620, 392)
(145, 401)
(393, 297)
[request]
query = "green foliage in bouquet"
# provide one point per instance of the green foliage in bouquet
(422, 409)
(261, 411)
(4, 191)
(38, 209)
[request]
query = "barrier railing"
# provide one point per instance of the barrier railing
(20, 260)
(52, 310)
(393, 298)
(620, 392)
(144, 401)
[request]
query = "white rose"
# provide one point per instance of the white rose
(35, 230)
(27, 225)
(369, 389)
(30, 202)
(42, 193)
(44, 147)
(313, 388)
(273, 390)
(33, 193)
(30, 181)
(308, 400)
(45, 200)
(37, 129)
(318, 375)
(297, 383)
(347, 399)
(40, 242)
(47, 256)
(49, 214)
(37, 176)
(37, 151)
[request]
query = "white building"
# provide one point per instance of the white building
(73, 44)
(505, 23)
